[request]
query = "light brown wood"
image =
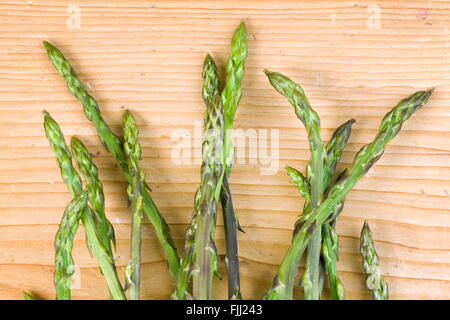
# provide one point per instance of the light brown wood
(147, 56)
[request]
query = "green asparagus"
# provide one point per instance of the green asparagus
(330, 248)
(209, 91)
(200, 253)
(64, 243)
(73, 183)
(315, 171)
(113, 144)
(211, 173)
(375, 283)
(282, 286)
(96, 197)
(134, 153)
(231, 93)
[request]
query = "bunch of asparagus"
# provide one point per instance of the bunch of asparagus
(315, 229)
(193, 274)
(88, 205)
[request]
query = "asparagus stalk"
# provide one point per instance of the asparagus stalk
(316, 170)
(73, 183)
(335, 147)
(231, 93)
(232, 257)
(96, 196)
(200, 256)
(334, 150)
(113, 144)
(134, 153)
(374, 282)
(64, 243)
(211, 175)
(282, 285)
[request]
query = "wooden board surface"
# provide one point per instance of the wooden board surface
(355, 59)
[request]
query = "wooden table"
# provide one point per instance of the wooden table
(355, 59)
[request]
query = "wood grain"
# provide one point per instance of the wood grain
(147, 56)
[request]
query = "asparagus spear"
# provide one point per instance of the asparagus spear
(211, 175)
(113, 144)
(134, 153)
(335, 147)
(315, 172)
(330, 248)
(231, 95)
(210, 88)
(282, 285)
(375, 283)
(200, 256)
(96, 197)
(64, 243)
(73, 183)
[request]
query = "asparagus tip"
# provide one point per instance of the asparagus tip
(366, 225)
(208, 59)
(48, 46)
(242, 24)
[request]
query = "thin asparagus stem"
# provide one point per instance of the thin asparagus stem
(96, 196)
(134, 153)
(374, 282)
(232, 258)
(113, 144)
(315, 172)
(73, 183)
(282, 286)
(64, 243)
